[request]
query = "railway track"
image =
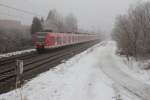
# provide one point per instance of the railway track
(36, 63)
(11, 59)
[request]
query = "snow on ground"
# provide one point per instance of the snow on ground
(16, 53)
(80, 78)
(113, 66)
(96, 74)
(135, 69)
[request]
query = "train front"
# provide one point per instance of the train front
(41, 40)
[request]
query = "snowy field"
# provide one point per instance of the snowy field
(16, 53)
(95, 74)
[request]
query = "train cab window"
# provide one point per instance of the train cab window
(41, 36)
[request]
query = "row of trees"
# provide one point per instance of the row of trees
(55, 22)
(132, 30)
(14, 39)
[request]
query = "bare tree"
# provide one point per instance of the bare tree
(71, 23)
(36, 25)
(131, 31)
(58, 23)
(54, 21)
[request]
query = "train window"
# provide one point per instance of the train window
(40, 36)
(53, 39)
(41, 33)
(65, 39)
(69, 39)
(73, 38)
(62, 39)
(59, 39)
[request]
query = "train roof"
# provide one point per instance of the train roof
(65, 33)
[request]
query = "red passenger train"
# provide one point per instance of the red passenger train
(45, 40)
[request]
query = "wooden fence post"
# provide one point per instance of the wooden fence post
(19, 72)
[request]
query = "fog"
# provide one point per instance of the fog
(92, 15)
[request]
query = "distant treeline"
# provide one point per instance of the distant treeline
(55, 22)
(13, 36)
(132, 31)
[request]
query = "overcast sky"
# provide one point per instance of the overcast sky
(91, 14)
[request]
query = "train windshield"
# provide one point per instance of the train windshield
(41, 36)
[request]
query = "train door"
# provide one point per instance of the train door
(59, 39)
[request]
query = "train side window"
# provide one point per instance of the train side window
(62, 39)
(59, 39)
(70, 39)
(53, 39)
(66, 39)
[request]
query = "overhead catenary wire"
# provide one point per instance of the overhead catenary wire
(14, 16)
(8, 14)
(19, 10)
